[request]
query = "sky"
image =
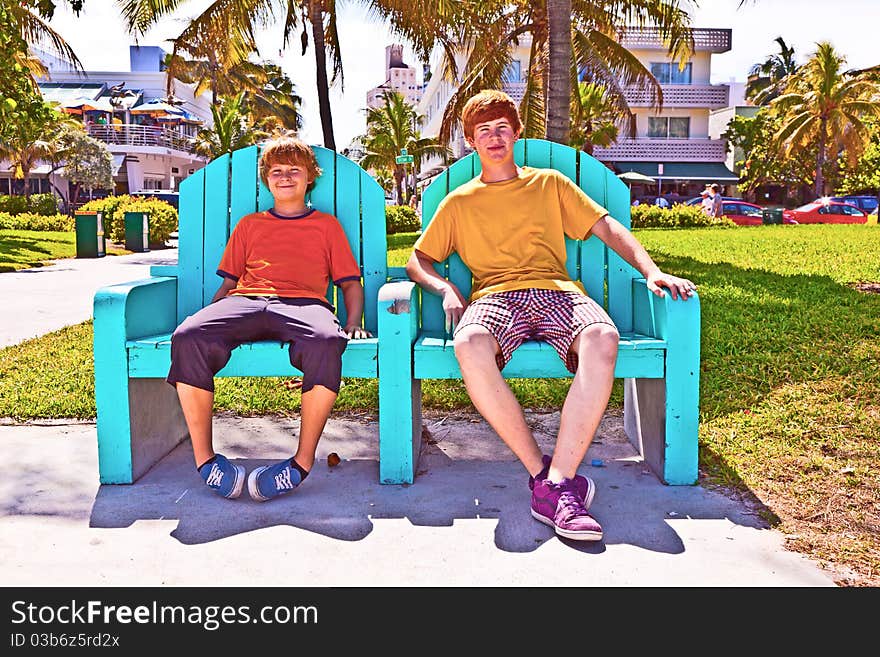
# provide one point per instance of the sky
(100, 41)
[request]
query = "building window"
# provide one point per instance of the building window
(669, 127)
(669, 73)
(513, 72)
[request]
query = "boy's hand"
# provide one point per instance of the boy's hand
(356, 332)
(453, 306)
(677, 286)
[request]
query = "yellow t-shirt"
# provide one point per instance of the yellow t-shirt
(511, 234)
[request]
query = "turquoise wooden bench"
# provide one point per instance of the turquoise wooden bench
(658, 358)
(139, 417)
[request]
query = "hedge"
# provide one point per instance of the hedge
(28, 221)
(42, 204)
(401, 219)
(678, 216)
(163, 216)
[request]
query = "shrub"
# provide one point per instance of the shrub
(28, 221)
(678, 216)
(163, 216)
(43, 204)
(401, 219)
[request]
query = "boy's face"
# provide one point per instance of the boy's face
(493, 140)
(288, 182)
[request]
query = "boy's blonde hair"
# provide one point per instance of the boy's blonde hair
(288, 149)
(488, 105)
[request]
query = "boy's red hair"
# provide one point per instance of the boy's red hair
(488, 105)
(288, 149)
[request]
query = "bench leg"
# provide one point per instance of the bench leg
(137, 428)
(400, 430)
(660, 419)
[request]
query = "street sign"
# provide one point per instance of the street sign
(403, 158)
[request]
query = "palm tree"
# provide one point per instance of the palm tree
(233, 128)
(423, 22)
(595, 118)
(391, 128)
(768, 78)
(594, 33)
(36, 32)
(34, 139)
(825, 107)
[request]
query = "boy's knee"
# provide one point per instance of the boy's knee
(474, 341)
(599, 340)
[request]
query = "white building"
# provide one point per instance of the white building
(399, 77)
(151, 150)
(673, 146)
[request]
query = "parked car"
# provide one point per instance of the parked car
(863, 202)
(743, 213)
(825, 211)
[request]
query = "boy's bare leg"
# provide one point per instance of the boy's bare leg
(316, 406)
(198, 410)
(475, 349)
(587, 398)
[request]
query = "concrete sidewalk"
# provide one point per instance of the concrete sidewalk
(465, 521)
(40, 300)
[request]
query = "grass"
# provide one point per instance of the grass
(789, 376)
(23, 249)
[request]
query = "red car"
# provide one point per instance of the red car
(825, 211)
(743, 213)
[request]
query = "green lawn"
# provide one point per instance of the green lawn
(22, 249)
(789, 376)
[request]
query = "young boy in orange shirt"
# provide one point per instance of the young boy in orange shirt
(275, 269)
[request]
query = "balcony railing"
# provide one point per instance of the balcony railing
(707, 96)
(142, 135)
(705, 39)
(669, 150)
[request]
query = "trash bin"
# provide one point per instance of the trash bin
(137, 231)
(90, 241)
(772, 216)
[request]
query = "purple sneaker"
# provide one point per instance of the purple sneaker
(560, 507)
(584, 486)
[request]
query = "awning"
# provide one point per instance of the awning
(702, 171)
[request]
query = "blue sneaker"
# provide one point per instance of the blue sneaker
(223, 477)
(270, 481)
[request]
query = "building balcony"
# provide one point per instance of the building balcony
(648, 38)
(704, 96)
(129, 134)
(664, 150)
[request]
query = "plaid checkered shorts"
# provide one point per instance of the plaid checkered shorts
(553, 316)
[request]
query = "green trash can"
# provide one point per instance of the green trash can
(137, 231)
(90, 241)
(771, 216)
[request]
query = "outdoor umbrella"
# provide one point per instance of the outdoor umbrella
(635, 177)
(88, 105)
(156, 108)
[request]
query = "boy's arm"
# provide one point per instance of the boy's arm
(353, 293)
(420, 270)
(617, 237)
(225, 287)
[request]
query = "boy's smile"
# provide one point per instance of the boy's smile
(288, 182)
(493, 140)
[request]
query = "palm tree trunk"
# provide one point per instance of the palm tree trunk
(559, 84)
(317, 18)
(820, 160)
(398, 181)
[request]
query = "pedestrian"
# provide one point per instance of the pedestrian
(508, 226)
(717, 200)
(706, 203)
(661, 202)
(275, 271)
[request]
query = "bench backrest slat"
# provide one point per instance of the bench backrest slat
(605, 276)
(214, 199)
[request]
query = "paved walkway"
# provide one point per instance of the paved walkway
(465, 521)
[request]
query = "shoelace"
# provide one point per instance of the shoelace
(215, 477)
(570, 505)
(282, 480)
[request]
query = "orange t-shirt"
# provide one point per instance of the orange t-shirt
(271, 255)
